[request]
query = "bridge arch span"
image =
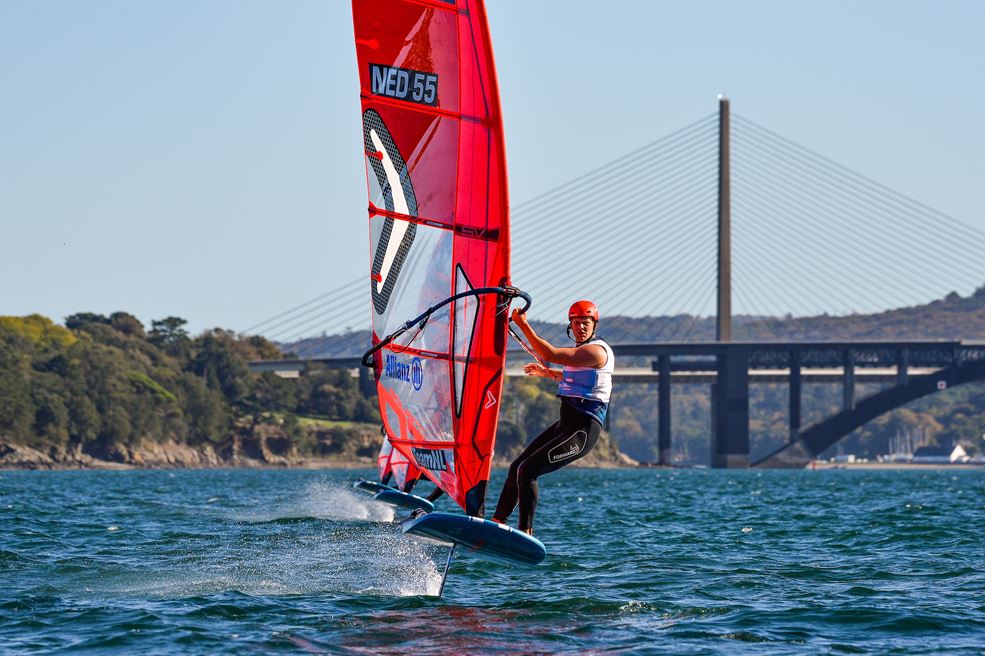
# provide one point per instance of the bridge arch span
(813, 440)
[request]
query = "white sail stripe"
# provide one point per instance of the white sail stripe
(399, 205)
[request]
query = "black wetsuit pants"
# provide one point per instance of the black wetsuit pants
(569, 438)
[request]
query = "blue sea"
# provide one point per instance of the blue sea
(639, 562)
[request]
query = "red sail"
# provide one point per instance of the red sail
(397, 465)
(439, 226)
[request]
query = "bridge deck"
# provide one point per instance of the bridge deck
(644, 375)
(641, 375)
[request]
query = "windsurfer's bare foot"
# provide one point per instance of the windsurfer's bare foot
(529, 531)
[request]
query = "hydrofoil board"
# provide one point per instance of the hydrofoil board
(371, 486)
(403, 500)
(487, 540)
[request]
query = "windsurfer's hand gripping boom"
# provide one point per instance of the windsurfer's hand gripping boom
(539, 370)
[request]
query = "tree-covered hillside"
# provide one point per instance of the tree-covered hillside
(102, 386)
(105, 389)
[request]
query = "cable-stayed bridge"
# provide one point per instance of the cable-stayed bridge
(809, 237)
(722, 218)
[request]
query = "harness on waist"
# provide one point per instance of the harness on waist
(591, 407)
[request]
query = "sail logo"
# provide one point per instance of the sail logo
(394, 368)
(396, 237)
(404, 84)
(431, 459)
(412, 372)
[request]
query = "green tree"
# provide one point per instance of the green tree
(127, 324)
(81, 320)
(169, 335)
(16, 405)
(208, 417)
(220, 367)
(51, 414)
(269, 394)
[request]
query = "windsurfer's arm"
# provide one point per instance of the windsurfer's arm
(589, 355)
(541, 371)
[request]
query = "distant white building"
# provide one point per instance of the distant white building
(939, 455)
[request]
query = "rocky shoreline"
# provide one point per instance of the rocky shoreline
(157, 455)
(338, 451)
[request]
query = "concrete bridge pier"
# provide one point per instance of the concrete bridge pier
(795, 397)
(730, 411)
(848, 381)
(663, 410)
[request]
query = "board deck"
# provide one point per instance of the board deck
(485, 539)
(403, 500)
(371, 486)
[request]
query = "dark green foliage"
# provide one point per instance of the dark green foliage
(81, 320)
(126, 324)
(220, 367)
(334, 393)
(207, 415)
(17, 407)
(105, 385)
(51, 412)
(268, 398)
(170, 336)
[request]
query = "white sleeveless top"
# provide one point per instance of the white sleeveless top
(586, 382)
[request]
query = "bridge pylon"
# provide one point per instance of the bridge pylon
(730, 410)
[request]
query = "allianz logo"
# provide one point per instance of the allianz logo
(409, 372)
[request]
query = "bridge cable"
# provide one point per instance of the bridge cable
(616, 262)
(887, 192)
(303, 305)
(589, 208)
(784, 223)
(331, 307)
(794, 185)
(578, 181)
(889, 221)
(907, 213)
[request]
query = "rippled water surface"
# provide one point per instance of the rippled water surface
(639, 561)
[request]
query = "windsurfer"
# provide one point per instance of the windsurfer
(584, 385)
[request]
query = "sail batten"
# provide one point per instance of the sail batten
(465, 231)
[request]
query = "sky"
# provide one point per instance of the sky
(203, 158)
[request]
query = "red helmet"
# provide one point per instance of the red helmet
(583, 309)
